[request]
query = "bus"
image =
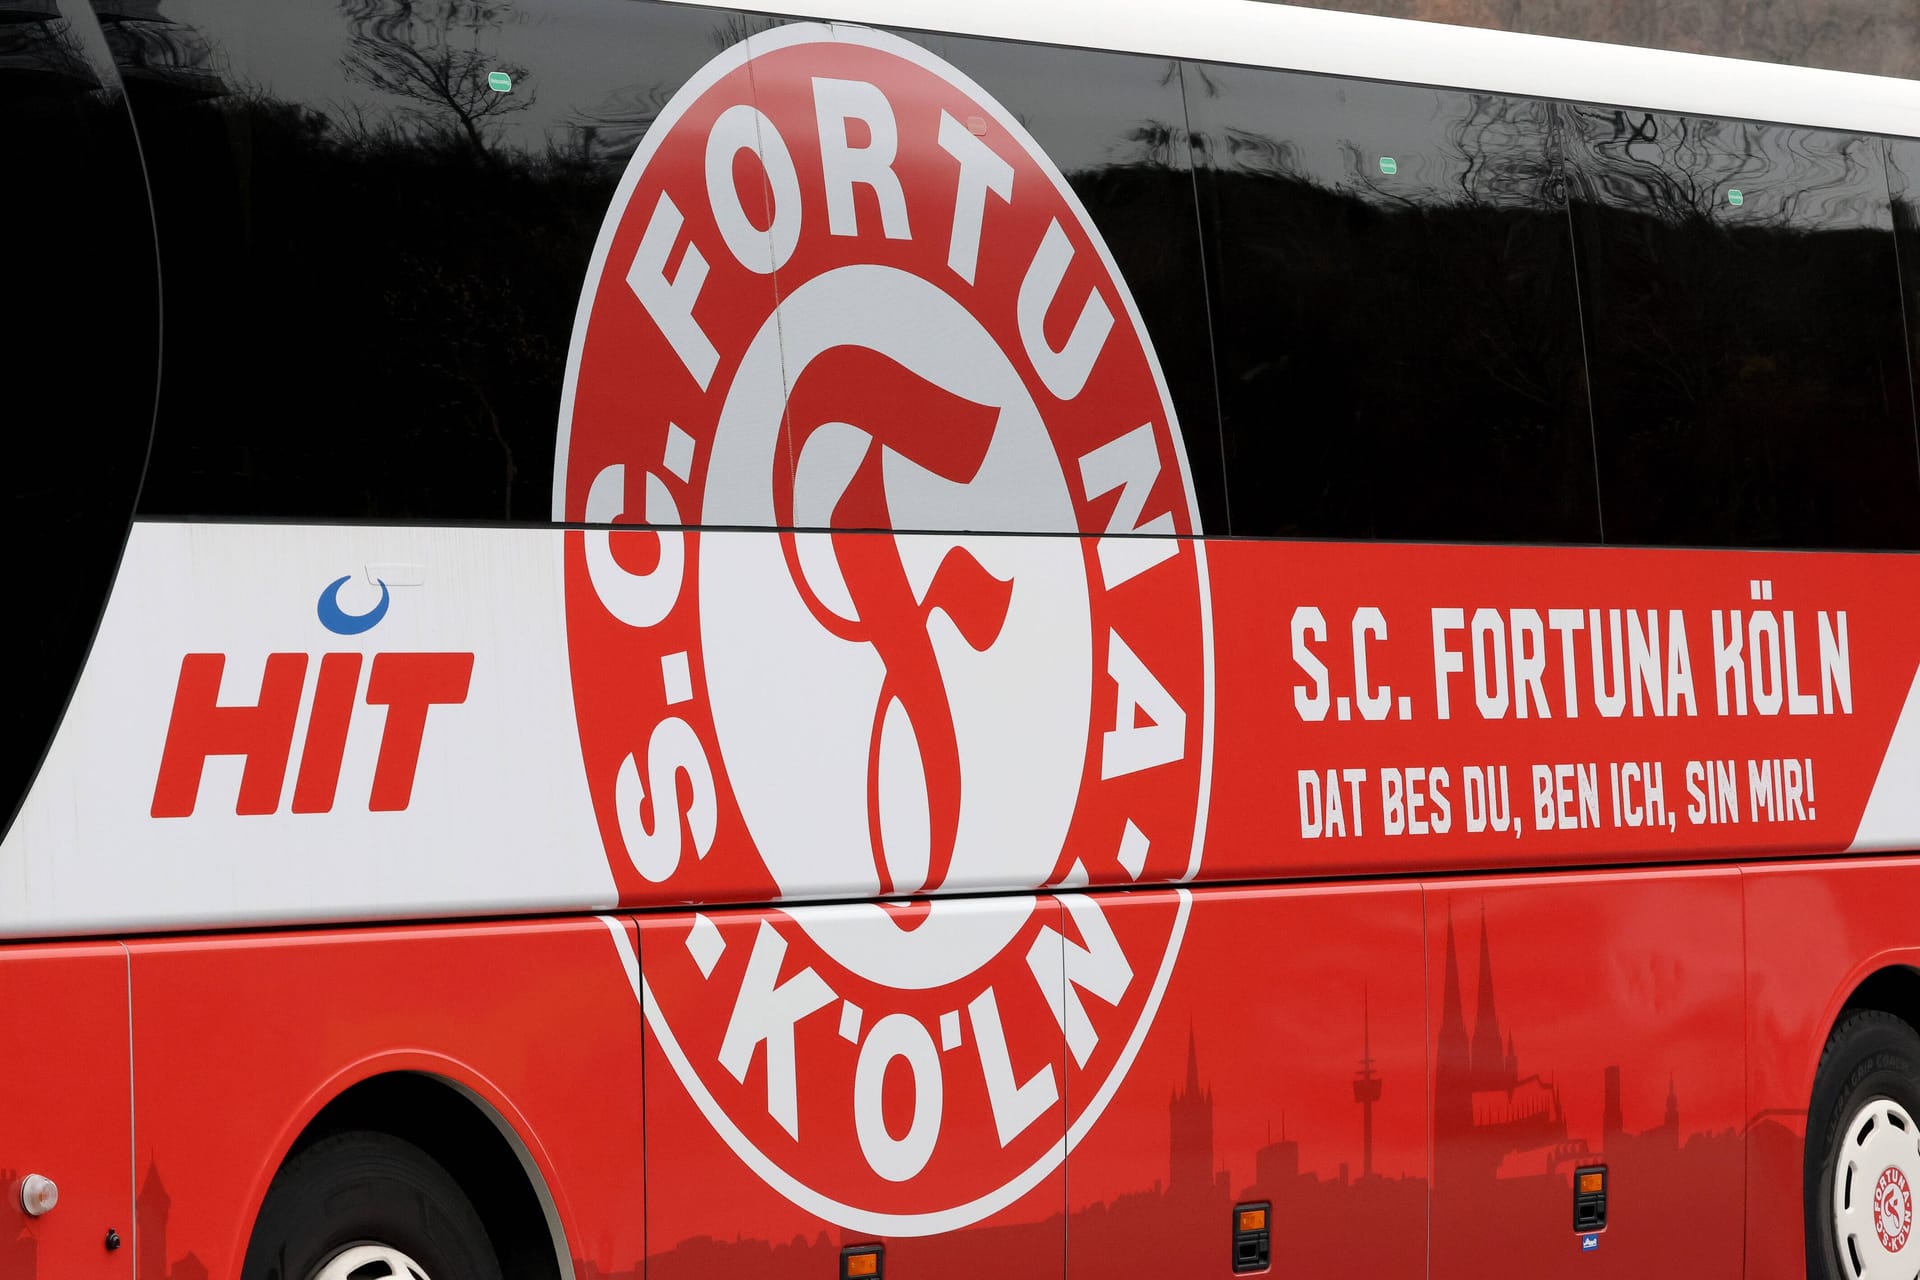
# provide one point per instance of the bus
(922, 639)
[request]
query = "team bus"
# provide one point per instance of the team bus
(929, 639)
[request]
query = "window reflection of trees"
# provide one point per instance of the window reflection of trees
(1749, 386)
(607, 133)
(1674, 168)
(44, 55)
(386, 252)
(428, 55)
(1744, 357)
(1399, 351)
(158, 56)
(42, 60)
(457, 241)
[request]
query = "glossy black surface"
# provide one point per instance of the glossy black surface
(377, 263)
(1394, 308)
(1115, 126)
(1749, 382)
(1903, 181)
(373, 260)
(1543, 324)
(79, 339)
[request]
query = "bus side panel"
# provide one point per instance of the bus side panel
(66, 1113)
(1293, 1020)
(241, 1041)
(1814, 933)
(795, 1106)
(1579, 1021)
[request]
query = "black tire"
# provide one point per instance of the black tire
(367, 1188)
(1869, 1055)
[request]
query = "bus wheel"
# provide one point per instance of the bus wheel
(371, 1207)
(1863, 1152)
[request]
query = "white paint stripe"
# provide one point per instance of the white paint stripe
(1431, 53)
(1892, 813)
(500, 819)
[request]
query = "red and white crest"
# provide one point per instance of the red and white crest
(1892, 1209)
(846, 317)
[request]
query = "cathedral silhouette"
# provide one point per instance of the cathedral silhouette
(19, 1252)
(1501, 1161)
(152, 1210)
(1484, 1110)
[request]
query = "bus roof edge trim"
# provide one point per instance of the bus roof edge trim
(1396, 49)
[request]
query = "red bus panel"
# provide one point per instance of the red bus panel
(823, 1109)
(69, 1112)
(1587, 1022)
(241, 1041)
(1288, 1067)
(1814, 934)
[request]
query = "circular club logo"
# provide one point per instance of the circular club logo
(1892, 1210)
(847, 319)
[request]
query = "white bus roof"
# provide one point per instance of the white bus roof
(1396, 49)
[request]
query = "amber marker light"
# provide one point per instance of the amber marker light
(860, 1262)
(1590, 1183)
(1252, 1242)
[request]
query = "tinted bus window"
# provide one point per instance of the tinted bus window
(374, 256)
(1115, 126)
(1903, 176)
(79, 337)
(1393, 302)
(1744, 333)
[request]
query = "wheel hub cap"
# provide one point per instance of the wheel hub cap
(371, 1262)
(1873, 1180)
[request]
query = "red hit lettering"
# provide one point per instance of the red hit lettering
(202, 727)
(326, 746)
(407, 684)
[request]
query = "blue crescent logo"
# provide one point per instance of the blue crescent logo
(342, 623)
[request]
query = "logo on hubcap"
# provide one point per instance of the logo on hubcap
(1892, 1209)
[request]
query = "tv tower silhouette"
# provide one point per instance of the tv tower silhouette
(1366, 1084)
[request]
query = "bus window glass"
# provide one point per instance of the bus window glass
(1903, 179)
(1743, 325)
(374, 247)
(79, 338)
(1393, 302)
(1115, 127)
